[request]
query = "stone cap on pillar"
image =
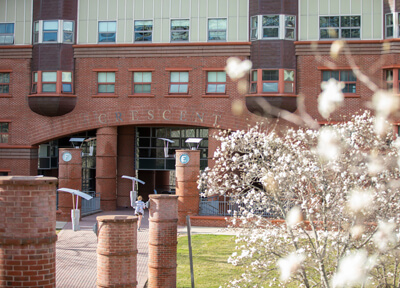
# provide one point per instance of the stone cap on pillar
(161, 196)
(117, 218)
(27, 180)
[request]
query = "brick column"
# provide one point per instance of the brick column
(106, 167)
(28, 231)
(126, 164)
(163, 241)
(117, 251)
(187, 173)
(70, 176)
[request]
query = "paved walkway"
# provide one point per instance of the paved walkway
(76, 257)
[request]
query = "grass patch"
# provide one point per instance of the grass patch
(210, 255)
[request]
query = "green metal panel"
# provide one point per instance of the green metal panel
(2, 8)
(366, 28)
(185, 9)
(20, 16)
(378, 19)
(28, 15)
(194, 8)
(112, 9)
(194, 30)
(243, 7)
(303, 28)
(93, 10)
(313, 7)
(83, 32)
(175, 7)
(212, 8)
(92, 31)
(28, 35)
(203, 8)
(157, 28)
(232, 29)
(120, 31)
(129, 9)
(165, 36)
(323, 7)
(165, 8)
(222, 11)
(203, 29)
(335, 7)
(103, 10)
(233, 8)
(356, 7)
(138, 9)
(243, 22)
(313, 32)
(10, 15)
(83, 9)
(121, 9)
(157, 8)
(19, 32)
(303, 8)
(366, 7)
(345, 7)
(129, 31)
(148, 9)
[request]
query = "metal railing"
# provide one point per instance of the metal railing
(92, 205)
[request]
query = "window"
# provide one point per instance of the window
(392, 79)
(290, 27)
(179, 82)
(4, 83)
(347, 27)
(217, 29)
(107, 31)
(4, 132)
(253, 28)
(6, 33)
(36, 32)
(68, 32)
(389, 25)
(270, 25)
(49, 81)
(34, 82)
(142, 82)
(179, 30)
(388, 77)
(277, 81)
(106, 82)
(216, 82)
(66, 78)
(143, 31)
(50, 31)
(345, 76)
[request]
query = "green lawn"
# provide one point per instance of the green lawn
(210, 255)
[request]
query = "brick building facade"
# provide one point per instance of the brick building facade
(144, 70)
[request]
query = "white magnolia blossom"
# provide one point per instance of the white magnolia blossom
(328, 145)
(290, 265)
(331, 97)
(385, 235)
(294, 217)
(360, 201)
(236, 68)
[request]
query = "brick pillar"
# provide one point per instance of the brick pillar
(187, 173)
(117, 251)
(70, 176)
(106, 167)
(28, 231)
(126, 164)
(163, 229)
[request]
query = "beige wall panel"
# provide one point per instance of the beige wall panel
(313, 33)
(233, 8)
(194, 30)
(10, 17)
(28, 14)
(138, 9)
(356, 7)
(243, 7)
(203, 29)
(120, 31)
(335, 7)
(323, 7)
(157, 28)
(148, 9)
(165, 31)
(366, 30)
(83, 32)
(377, 31)
(165, 8)
(157, 10)
(83, 9)
(92, 32)
(243, 22)
(303, 28)
(345, 7)
(129, 9)
(2, 11)
(93, 9)
(28, 35)
(212, 8)
(175, 9)
(303, 10)
(367, 6)
(222, 12)
(232, 29)
(103, 10)
(121, 9)
(20, 16)
(129, 31)
(203, 8)
(194, 8)
(112, 9)
(185, 9)
(313, 7)
(19, 32)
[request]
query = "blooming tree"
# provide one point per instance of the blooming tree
(337, 191)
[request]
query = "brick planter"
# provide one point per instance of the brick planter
(28, 231)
